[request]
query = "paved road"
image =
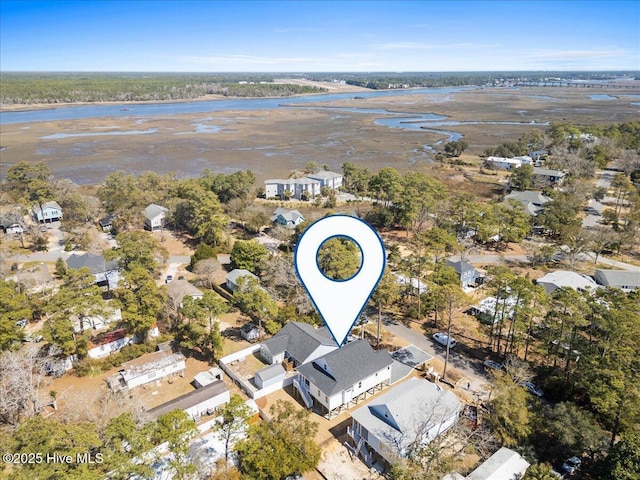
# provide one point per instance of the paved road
(592, 219)
(471, 369)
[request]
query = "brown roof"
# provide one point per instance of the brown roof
(107, 337)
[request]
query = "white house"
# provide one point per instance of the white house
(298, 343)
(197, 403)
(622, 279)
(105, 344)
(13, 228)
(149, 368)
(563, 278)
(343, 377)
(50, 212)
(505, 464)
(509, 163)
(154, 217)
(407, 417)
(296, 186)
(327, 179)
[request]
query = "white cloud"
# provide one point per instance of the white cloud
(242, 59)
(430, 46)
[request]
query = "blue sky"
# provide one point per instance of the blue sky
(307, 36)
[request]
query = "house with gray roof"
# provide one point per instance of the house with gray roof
(269, 375)
(297, 187)
(106, 272)
(467, 272)
(178, 289)
(404, 419)
(564, 278)
(622, 279)
(327, 178)
(288, 218)
(154, 217)
(233, 276)
(298, 343)
(533, 201)
(505, 464)
(548, 177)
(342, 378)
(197, 403)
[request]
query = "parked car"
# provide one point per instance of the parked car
(533, 389)
(571, 465)
(493, 365)
(444, 339)
(22, 323)
(168, 279)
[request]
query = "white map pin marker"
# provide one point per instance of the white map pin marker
(340, 302)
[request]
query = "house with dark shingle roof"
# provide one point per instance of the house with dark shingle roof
(532, 201)
(408, 416)
(467, 272)
(343, 377)
(106, 272)
(297, 342)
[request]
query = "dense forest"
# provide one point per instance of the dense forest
(31, 88)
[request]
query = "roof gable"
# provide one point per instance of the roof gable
(298, 339)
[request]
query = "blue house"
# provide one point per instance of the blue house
(467, 273)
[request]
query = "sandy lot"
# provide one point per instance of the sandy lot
(272, 143)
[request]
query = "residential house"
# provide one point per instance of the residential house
(467, 272)
(104, 344)
(233, 276)
(622, 279)
(95, 322)
(270, 375)
(416, 285)
(288, 218)
(197, 403)
(154, 217)
(148, 368)
(546, 176)
(297, 187)
(538, 156)
(106, 223)
(562, 278)
(487, 313)
(13, 228)
(50, 212)
(505, 464)
(327, 179)
(407, 417)
(250, 332)
(298, 343)
(533, 201)
(343, 377)
(178, 289)
(504, 163)
(106, 272)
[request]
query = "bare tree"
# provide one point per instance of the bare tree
(22, 384)
(206, 270)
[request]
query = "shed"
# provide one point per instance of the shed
(269, 375)
(203, 379)
(250, 332)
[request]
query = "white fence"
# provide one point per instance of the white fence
(250, 389)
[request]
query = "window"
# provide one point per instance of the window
(359, 384)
